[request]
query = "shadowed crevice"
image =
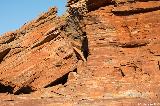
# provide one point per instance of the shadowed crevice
(136, 11)
(4, 53)
(10, 89)
(93, 5)
(47, 38)
(6, 89)
(9, 40)
(62, 80)
(24, 90)
(85, 48)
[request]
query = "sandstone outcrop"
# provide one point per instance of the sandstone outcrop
(44, 55)
(107, 54)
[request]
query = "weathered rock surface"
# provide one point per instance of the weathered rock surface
(119, 40)
(45, 56)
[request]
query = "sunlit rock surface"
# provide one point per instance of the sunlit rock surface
(108, 56)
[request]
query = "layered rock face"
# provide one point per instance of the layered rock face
(36, 58)
(103, 53)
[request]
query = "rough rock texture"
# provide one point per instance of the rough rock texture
(109, 56)
(37, 58)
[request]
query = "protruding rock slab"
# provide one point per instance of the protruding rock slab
(122, 68)
(138, 7)
(38, 67)
(36, 56)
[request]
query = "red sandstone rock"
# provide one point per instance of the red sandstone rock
(40, 63)
(122, 67)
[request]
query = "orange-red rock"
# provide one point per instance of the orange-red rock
(122, 66)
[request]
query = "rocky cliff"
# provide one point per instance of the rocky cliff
(99, 53)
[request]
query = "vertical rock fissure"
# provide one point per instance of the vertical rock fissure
(85, 47)
(159, 65)
(75, 30)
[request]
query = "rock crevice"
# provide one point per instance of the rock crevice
(98, 53)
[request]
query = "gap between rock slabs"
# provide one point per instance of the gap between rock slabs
(28, 90)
